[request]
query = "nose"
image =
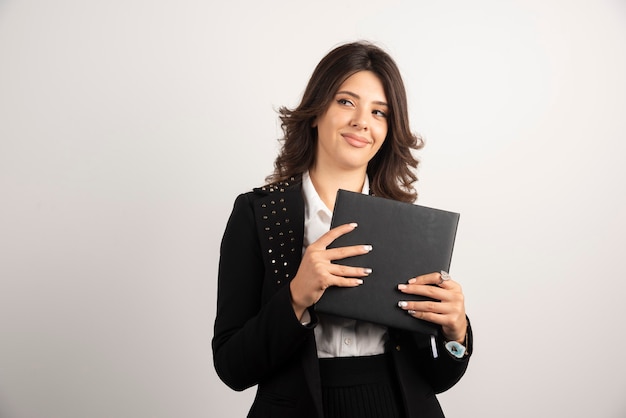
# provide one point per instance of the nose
(359, 121)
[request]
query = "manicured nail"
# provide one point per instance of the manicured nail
(359, 281)
(354, 224)
(402, 286)
(413, 280)
(411, 312)
(367, 247)
(402, 304)
(367, 271)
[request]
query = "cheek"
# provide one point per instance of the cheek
(380, 145)
(381, 138)
(381, 133)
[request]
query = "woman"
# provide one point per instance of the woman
(350, 131)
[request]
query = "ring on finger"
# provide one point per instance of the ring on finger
(444, 277)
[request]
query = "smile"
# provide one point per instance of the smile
(356, 140)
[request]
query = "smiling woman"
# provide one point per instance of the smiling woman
(390, 170)
(350, 132)
(352, 129)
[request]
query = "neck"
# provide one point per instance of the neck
(327, 182)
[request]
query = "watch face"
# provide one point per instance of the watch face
(456, 349)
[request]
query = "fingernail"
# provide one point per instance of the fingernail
(367, 271)
(402, 304)
(354, 224)
(413, 280)
(402, 286)
(410, 312)
(359, 281)
(367, 247)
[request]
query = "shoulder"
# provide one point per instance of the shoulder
(293, 184)
(285, 186)
(271, 197)
(281, 193)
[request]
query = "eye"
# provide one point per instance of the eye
(345, 102)
(380, 113)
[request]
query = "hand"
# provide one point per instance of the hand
(448, 310)
(316, 272)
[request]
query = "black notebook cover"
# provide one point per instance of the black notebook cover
(408, 240)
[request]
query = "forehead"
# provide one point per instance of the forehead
(364, 83)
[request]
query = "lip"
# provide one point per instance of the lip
(356, 140)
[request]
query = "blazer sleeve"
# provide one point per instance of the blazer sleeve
(442, 372)
(445, 371)
(251, 339)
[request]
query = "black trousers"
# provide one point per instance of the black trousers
(363, 387)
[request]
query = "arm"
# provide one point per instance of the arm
(446, 308)
(415, 363)
(254, 336)
(445, 371)
(251, 339)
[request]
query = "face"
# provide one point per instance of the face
(354, 126)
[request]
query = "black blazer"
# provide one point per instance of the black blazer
(259, 341)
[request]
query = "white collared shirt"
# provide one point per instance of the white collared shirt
(336, 336)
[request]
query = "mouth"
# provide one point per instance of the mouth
(356, 140)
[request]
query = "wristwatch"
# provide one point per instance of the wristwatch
(458, 350)
(455, 348)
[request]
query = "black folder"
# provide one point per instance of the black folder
(408, 240)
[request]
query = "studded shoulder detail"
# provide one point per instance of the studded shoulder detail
(280, 237)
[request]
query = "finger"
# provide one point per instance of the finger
(345, 252)
(326, 239)
(436, 317)
(430, 278)
(425, 306)
(446, 314)
(346, 282)
(428, 316)
(435, 279)
(452, 298)
(430, 291)
(340, 270)
(453, 326)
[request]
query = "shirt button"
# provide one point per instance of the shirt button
(348, 341)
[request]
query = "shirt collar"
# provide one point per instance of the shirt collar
(313, 202)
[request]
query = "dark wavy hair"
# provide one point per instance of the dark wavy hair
(390, 170)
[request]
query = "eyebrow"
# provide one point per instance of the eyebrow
(356, 96)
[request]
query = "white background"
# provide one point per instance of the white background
(128, 127)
